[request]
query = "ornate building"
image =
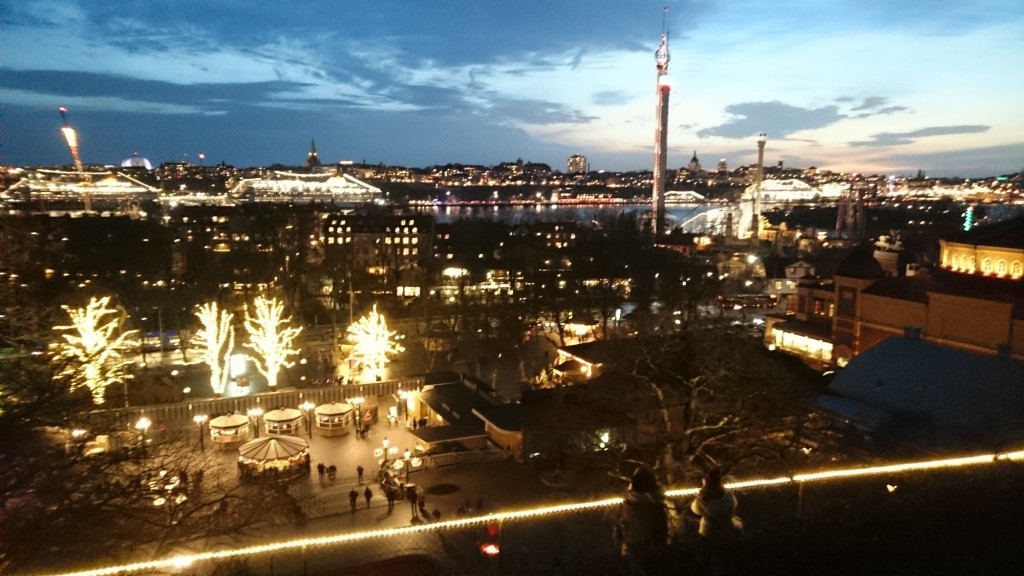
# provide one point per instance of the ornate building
(973, 301)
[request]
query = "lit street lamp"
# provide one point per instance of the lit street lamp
(410, 462)
(200, 420)
(142, 426)
(254, 418)
(403, 396)
(307, 409)
(358, 403)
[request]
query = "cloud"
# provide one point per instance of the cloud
(577, 59)
(529, 111)
(871, 103)
(776, 118)
(611, 97)
(875, 106)
(902, 138)
(106, 103)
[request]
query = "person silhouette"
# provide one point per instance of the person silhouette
(353, 497)
(643, 526)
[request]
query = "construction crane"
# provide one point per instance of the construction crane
(72, 139)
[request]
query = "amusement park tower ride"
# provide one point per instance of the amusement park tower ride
(661, 138)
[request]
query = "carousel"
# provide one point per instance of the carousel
(283, 422)
(333, 419)
(273, 458)
(229, 431)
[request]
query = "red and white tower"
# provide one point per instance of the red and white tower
(661, 138)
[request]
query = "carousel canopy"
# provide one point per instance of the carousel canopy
(282, 415)
(229, 421)
(273, 448)
(333, 409)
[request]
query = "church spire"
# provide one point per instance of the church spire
(312, 159)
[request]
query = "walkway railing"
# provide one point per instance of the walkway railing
(799, 528)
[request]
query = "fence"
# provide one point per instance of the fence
(180, 414)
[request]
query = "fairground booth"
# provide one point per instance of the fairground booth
(283, 422)
(229, 431)
(334, 418)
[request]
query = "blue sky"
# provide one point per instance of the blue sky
(871, 86)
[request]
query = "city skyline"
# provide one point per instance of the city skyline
(863, 87)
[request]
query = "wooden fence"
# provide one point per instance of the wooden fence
(181, 414)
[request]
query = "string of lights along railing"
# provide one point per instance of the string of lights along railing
(183, 561)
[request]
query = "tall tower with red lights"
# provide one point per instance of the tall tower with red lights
(661, 138)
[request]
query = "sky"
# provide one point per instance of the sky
(869, 86)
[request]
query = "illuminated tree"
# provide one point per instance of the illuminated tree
(92, 351)
(214, 341)
(372, 342)
(269, 337)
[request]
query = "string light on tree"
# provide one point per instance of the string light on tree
(214, 341)
(373, 343)
(93, 350)
(270, 339)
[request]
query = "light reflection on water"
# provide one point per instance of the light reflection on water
(524, 214)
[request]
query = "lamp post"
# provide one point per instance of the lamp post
(142, 426)
(200, 420)
(254, 415)
(407, 454)
(358, 403)
(403, 397)
(307, 409)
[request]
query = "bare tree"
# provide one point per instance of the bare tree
(93, 350)
(214, 341)
(270, 337)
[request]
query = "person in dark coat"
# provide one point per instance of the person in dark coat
(643, 527)
(353, 497)
(368, 494)
(390, 493)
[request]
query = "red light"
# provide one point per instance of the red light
(490, 549)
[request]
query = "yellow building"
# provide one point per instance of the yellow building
(973, 301)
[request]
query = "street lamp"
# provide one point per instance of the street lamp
(307, 408)
(142, 426)
(358, 403)
(200, 420)
(254, 415)
(403, 396)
